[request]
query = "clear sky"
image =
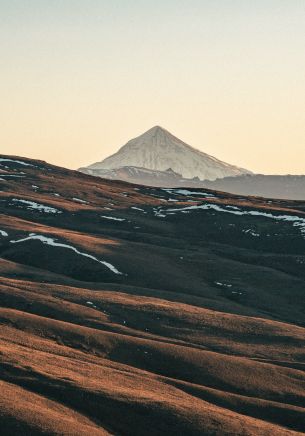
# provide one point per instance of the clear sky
(78, 78)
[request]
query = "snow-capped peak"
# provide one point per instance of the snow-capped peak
(157, 149)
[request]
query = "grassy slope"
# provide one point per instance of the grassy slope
(165, 347)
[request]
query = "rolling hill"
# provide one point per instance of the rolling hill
(136, 310)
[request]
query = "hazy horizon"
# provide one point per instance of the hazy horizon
(79, 79)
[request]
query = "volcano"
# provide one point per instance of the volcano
(159, 150)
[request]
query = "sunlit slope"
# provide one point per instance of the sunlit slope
(131, 310)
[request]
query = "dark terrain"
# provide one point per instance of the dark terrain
(135, 310)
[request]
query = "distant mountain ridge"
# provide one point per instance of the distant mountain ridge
(288, 187)
(158, 150)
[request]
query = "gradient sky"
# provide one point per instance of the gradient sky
(78, 78)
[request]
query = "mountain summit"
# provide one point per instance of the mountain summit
(158, 150)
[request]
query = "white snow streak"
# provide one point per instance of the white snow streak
(137, 208)
(50, 241)
(16, 161)
(296, 220)
(112, 218)
(36, 206)
(187, 192)
(11, 175)
(79, 200)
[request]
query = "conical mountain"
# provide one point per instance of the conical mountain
(157, 149)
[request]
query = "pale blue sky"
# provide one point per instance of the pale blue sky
(79, 78)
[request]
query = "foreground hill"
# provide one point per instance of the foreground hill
(133, 310)
(158, 150)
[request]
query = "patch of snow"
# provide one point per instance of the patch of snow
(16, 161)
(296, 220)
(36, 206)
(137, 208)
(52, 242)
(79, 200)
(232, 207)
(35, 187)
(11, 175)
(251, 232)
(3, 233)
(158, 213)
(91, 304)
(223, 284)
(112, 218)
(187, 192)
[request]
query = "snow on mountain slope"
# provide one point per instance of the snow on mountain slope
(142, 176)
(157, 149)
